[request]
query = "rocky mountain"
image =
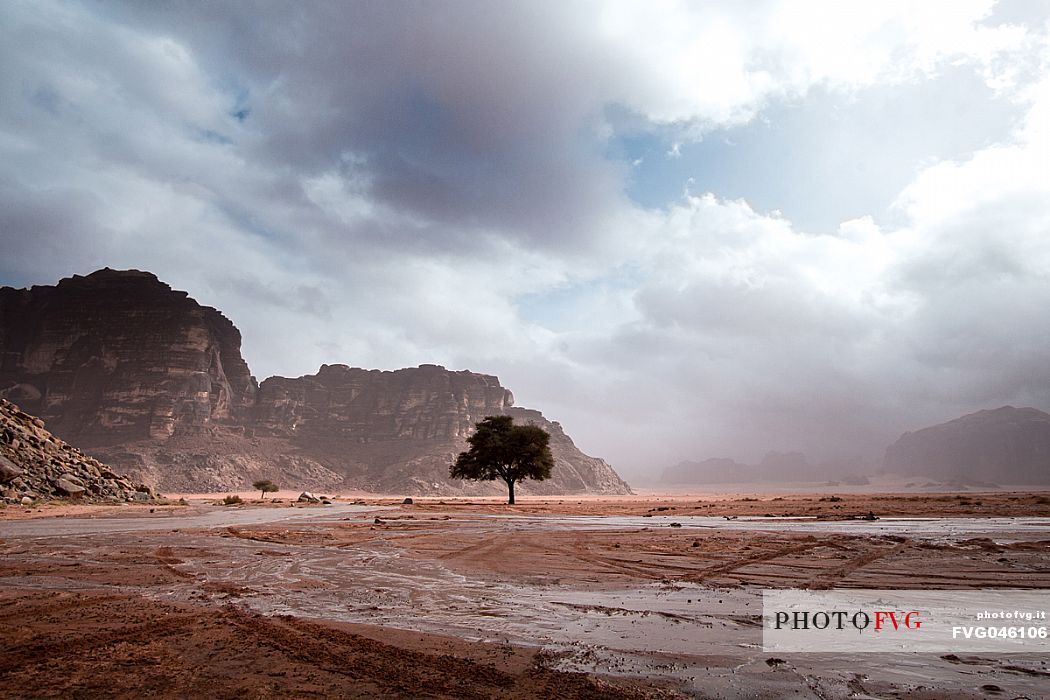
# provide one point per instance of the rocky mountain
(716, 470)
(774, 467)
(34, 464)
(370, 405)
(1005, 445)
(149, 380)
(120, 355)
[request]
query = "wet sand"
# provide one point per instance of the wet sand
(553, 598)
(831, 504)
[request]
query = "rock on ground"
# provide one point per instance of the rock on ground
(36, 465)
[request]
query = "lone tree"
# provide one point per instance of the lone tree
(265, 486)
(501, 450)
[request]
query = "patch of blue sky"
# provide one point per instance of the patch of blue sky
(248, 223)
(209, 136)
(572, 306)
(827, 157)
(1031, 12)
(238, 94)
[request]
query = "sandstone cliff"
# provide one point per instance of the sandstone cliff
(1006, 445)
(35, 465)
(120, 355)
(398, 431)
(371, 405)
(147, 379)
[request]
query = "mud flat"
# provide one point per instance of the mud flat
(472, 600)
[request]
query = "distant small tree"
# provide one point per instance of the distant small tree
(501, 450)
(265, 486)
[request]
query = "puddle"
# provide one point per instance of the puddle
(940, 530)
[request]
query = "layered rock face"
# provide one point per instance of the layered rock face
(118, 356)
(398, 431)
(151, 381)
(370, 405)
(1006, 446)
(35, 465)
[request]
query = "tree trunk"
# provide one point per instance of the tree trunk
(510, 488)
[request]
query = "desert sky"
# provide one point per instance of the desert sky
(682, 229)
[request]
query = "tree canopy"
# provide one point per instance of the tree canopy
(501, 450)
(265, 486)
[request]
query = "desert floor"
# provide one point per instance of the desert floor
(559, 597)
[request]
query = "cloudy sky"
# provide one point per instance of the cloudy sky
(683, 229)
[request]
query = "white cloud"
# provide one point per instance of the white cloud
(721, 63)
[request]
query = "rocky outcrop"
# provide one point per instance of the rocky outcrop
(1006, 445)
(397, 432)
(426, 402)
(119, 355)
(576, 472)
(220, 459)
(35, 465)
(149, 380)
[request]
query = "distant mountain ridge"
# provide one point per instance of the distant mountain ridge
(715, 470)
(149, 380)
(774, 467)
(1004, 445)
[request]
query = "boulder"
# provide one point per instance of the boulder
(8, 470)
(68, 488)
(307, 497)
(72, 478)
